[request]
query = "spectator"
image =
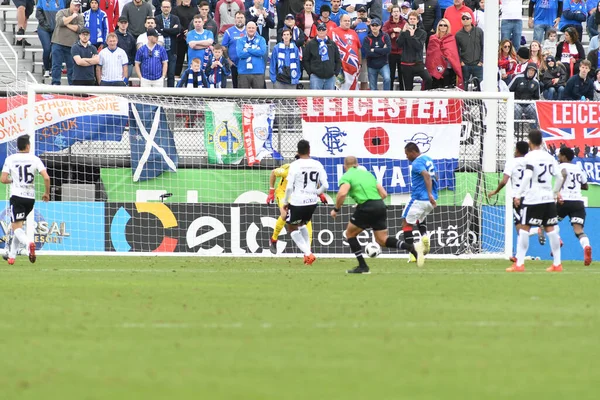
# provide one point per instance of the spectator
(593, 20)
(393, 27)
(479, 14)
(298, 36)
(322, 61)
(217, 68)
(455, 15)
(209, 23)
(592, 57)
(580, 86)
(535, 53)
(230, 38)
(573, 14)
(337, 11)
(549, 46)
(597, 86)
(193, 77)
(361, 27)
(113, 64)
(69, 21)
(324, 18)
(522, 61)
(251, 50)
(46, 15)
(507, 60)
(570, 51)
(444, 5)
(151, 62)
(169, 26)
(126, 41)
(111, 9)
(349, 45)
(469, 41)
(263, 19)
(442, 61)
(511, 24)
(412, 40)
(136, 13)
(554, 79)
(198, 40)
(143, 38)
(306, 18)
(225, 14)
(85, 56)
(320, 3)
(404, 10)
(284, 69)
(97, 22)
(593, 45)
(24, 11)
(185, 12)
(285, 7)
(377, 47)
(430, 14)
(526, 87)
(544, 15)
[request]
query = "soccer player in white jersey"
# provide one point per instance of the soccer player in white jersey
(570, 201)
(539, 206)
(306, 184)
(514, 170)
(19, 171)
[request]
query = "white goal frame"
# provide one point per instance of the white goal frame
(490, 163)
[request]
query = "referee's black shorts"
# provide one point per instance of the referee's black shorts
(370, 214)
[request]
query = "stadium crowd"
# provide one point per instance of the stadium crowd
(343, 44)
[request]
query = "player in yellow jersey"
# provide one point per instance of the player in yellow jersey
(278, 194)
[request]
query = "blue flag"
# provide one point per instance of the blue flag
(152, 145)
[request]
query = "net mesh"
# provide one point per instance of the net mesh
(213, 201)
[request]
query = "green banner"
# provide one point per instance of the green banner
(223, 136)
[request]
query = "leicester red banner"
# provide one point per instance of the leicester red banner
(572, 123)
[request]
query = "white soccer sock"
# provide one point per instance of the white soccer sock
(304, 231)
(556, 229)
(522, 246)
(584, 241)
(298, 238)
(533, 231)
(20, 233)
(555, 246)
(14, 245)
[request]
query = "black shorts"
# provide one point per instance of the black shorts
(20, 207)
(539, 214)
(370, 214)
(574, 209)
(299, 215)
(28, 4)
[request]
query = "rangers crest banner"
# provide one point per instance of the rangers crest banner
(258, 132)
(376, 131)
(223, 133)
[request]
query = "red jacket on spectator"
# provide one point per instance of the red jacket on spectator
(440, 53)
(111, 8)
(330, 27)
(388, 27)
(454, 16)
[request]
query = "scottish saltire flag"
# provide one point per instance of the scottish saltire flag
(60, 121)
(257, 122)
(376, 131)
(152, 145)
(223, 136)
(349, 46)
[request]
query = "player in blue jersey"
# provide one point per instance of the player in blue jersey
(423, 199)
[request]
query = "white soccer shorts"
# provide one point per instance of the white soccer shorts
(416, 210)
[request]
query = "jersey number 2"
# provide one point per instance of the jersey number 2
(25, 176)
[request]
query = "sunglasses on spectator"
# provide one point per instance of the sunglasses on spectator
(442, 25)
(507, 46)
(465, 18)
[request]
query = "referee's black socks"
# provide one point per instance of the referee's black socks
(357, 250)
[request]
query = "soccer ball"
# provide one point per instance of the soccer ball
(373, 250)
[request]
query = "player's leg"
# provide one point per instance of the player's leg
(278, 228)
(307, 213)
(550, 220)
(528, 217)
(352, 231)
(309, 231)
(578, 215)
(425, 211)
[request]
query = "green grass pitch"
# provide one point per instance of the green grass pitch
(207, 328)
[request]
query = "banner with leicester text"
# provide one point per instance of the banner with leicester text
(574, 124)
(376, 131)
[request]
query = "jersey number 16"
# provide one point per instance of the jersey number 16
(25, 176)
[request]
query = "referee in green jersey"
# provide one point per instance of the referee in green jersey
(371, 212)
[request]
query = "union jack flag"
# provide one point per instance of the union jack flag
(558, 126)
(348, 54)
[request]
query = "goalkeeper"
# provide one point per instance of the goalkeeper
(279, 194)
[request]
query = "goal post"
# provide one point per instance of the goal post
(186, 171)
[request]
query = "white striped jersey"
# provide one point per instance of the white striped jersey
(571, 188)
(22, 168)
(112, 62)
(515, 169)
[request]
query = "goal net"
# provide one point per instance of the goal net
(178, 171)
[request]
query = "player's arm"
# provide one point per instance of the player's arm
(272, 179)
(527, 175)
(429, 186)
(340, 198)
(5, 178)
(501, 185)
(584, 181)
(382, 191)
(46, 195)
